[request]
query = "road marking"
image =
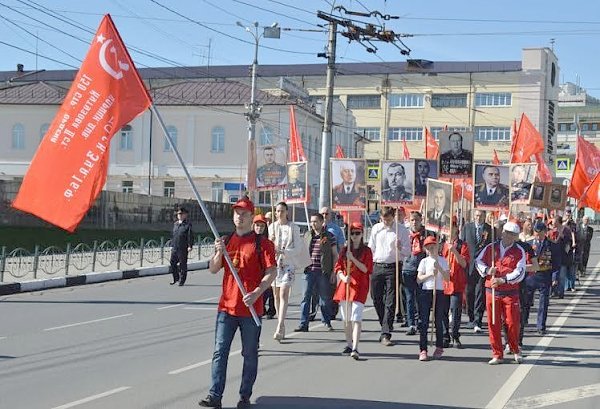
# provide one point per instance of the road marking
(554, 398)
(510, 386)
(88, 322)
(3, 338)
(92, 398)
(201, 308)
(166, 307)
(206, 299)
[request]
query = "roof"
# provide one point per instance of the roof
(37, 93)
(240, 71)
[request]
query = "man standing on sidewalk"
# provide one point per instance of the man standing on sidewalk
(181, 245)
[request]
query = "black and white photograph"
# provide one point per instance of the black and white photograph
(295, 192)
(271, 171)
(522, 176)
(557, 197)
(456, 154)
(424, 169)
(438, 207)
(537, 197)
(397, 182)
(491, 187)
(348, 187)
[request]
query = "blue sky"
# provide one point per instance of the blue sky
(459, 30)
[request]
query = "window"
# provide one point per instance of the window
(217, 192)
(563, 127)
(410, 134)
(217, 139)
(572, 127)
(43, 130)
(585, 127)
(493, 99)
(406, 101)
(594, 127)
(126, 138)
(264, 198)
(127, 186)
(449, 100)
(364, 102)
(435, 130)
(172, 131)
(18, 137)
(374, 134)
(488, 133)
(169, 188)
(266, 136)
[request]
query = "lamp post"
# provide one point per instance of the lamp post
(254, 108)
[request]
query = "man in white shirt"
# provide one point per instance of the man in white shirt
(384, 244)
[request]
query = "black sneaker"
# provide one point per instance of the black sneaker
(347, 351)
(210, 402)
(355, 354)
(458, 344)
(328, 326)
(301, 328)
(411, 331)
(243, 403)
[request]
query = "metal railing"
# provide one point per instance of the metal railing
(20, 264)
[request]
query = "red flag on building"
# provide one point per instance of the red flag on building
(405, 151)
(495, 159)
(591, 195)
(296, 149)
(69, 168)
(339, 152)
(587, 164)
(432, 148)
(527, 143)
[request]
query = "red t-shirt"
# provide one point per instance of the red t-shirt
(359, 281)
(458, 274)
(242, 250)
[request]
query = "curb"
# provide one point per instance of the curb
(91, 278)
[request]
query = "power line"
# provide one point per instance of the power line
(39, 55)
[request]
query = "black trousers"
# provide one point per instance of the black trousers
(269, 302)
(383, 293)
(475, 294)
(178, 265)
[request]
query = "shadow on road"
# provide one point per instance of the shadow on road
(296, 402)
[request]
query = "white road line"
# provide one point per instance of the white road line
(554, 398)
(206, 299)
(201, 308)
(92, 398)
(166, 307)
(88, 322)
(2, 337)
(510, 386)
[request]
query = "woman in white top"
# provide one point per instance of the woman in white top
(433, 270)
(288, 249)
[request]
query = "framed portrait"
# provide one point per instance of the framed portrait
(537, 195)
(271, 170)
(456, 154)
(491, 191)
(397, 182)
(424, 169)
(348, 187)
(556, 196)
(295, 191)
(522, 176)
(438, 207)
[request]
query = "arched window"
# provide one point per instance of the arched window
(217, 139)
(43, 130)
(266, 136)
(173, 134)
(126, 138)
(18, 137)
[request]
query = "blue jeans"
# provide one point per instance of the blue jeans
(225, 330)
(425, 305)
(455, 307)
(570, 277)
(320, 281)
(559, 290)
(540, 281)
(411, 293)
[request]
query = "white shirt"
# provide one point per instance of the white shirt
(382, 243)
(426, 266)
(286, 237)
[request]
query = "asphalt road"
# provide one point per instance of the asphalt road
(142, 343)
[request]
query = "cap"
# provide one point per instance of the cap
(182, 209)
(429, 240)
(540, 226)
(503, 217)
(356, 226)
(511, 227)
(244, 203)
(268, 215)
(259, 218)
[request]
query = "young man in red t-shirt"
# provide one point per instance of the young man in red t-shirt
(256, 269)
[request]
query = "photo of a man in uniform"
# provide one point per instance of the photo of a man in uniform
(271, 173)
(439, 206)
(296, 186)
(349, 189)
(521, 179)
(424, 169)
(489, 191)
(396, 184)
(456, 159)
(538, 190)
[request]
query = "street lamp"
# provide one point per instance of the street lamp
(253, 113)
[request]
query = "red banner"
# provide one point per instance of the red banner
(339, 152)
(432, 148)
(69, 168)
(296, 149)
(591, 196)
(495, 159)
(527, 143)
(405, 151)
(587, 165)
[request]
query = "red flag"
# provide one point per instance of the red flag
(591, 196)
(463, 187)
(339, 152)
(587, 164)
(405, 151)
(69, 168)
(296, 150)
(527, 143)
(513, 137)
(432, 148)
(543, 172)
(495, 159)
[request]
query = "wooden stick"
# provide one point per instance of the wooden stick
(493, 275)
(433, 309)
(399, 306)
(348, 275)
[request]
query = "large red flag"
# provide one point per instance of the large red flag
(69, 168)
(463, 188)
(543, 171)
(591, 195)
(513, 137)
(527, 143)
(587, 165)
(296, 150)
(432, 148)
(405, 151)
(495, 159)
(339, 152)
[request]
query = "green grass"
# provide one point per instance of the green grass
(29, 237)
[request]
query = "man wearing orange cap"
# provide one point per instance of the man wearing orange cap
(257, 270)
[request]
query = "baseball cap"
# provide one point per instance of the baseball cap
(511, 227)
(503, 217)
(540, 226)
(429, 240)
(245, 204)
(356, 226)
(259, 218)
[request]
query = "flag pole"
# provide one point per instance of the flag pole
(209, 220)
(306, 214)
(493, 275)
(348, 273)
(399, 306)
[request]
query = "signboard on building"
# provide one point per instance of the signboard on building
(562, 164)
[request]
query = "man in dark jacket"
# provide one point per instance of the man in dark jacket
(181, 245)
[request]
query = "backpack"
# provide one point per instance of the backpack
(257, 245)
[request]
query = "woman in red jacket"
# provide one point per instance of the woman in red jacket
(361, 267)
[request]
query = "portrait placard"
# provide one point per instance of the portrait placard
(522, 176)
(297, 174)
(456, 154)
(556, 197)
(537, 195)
(271, 171)
(491, 187)
(438, 207)
(397, 182)
(348, 187)
(424, 169)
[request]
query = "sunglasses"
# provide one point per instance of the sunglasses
(356, 233)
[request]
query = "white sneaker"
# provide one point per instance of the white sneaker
(470, 325)
(477, 329)
(495, 361)
(507, 350)
(518, 359)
